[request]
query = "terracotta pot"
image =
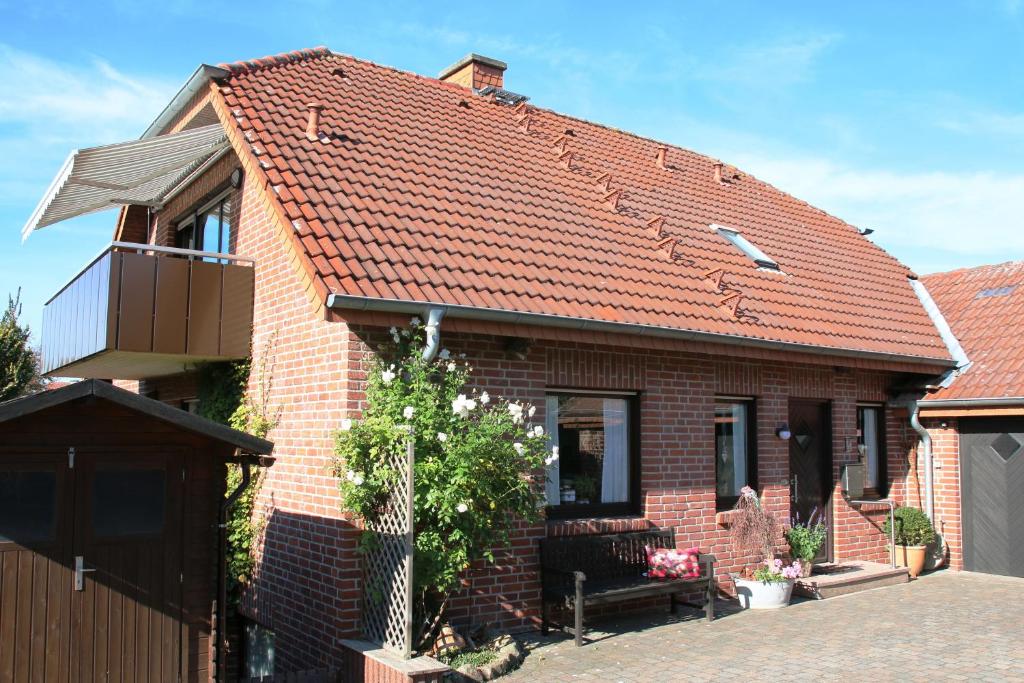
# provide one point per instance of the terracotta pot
(760, 595)
(806, 567)
(912, 557)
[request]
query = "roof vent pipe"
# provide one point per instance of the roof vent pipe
(434, 317)
(313, 123)
(662, 153)
(718, 171)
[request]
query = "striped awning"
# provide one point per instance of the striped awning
(137, 172)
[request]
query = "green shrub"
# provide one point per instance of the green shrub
(805, 540)
(912, 527)
(479, 467)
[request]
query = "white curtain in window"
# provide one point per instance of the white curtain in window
(739, 447)
(871, 447)
(615, 471)
(551, 427)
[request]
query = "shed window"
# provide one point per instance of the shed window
(871, 444)
(128, 502)
(735, 449)
(28, 505)
(597, 469)
(743, 244)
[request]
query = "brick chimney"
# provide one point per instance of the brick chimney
(475, 71)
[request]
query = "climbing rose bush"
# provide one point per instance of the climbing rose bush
(478, 468)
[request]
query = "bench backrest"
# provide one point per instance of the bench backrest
(604, 556)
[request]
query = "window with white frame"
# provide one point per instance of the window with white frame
(597, 471)
(735, 449)
(871, 444)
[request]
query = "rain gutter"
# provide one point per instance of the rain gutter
(361, 303)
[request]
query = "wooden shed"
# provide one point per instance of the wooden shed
(110, 546)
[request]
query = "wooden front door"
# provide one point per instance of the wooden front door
(810, 465)
(127, 609)
(35, 579)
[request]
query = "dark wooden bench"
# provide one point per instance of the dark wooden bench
(586, 570)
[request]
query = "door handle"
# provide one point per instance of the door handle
(795, 481)
(80, 571)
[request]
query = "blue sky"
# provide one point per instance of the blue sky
(903, 117)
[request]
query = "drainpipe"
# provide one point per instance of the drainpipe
(926, 445)
(434, 317)
(222, 570)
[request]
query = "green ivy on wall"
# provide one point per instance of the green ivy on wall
(224, 398)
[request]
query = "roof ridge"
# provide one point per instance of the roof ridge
(252, 65)
(983, 267)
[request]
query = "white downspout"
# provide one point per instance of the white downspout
(926, 447)
(434, 317)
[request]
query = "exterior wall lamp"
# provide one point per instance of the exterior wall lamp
(783, 432)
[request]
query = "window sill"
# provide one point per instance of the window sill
(726, 517)
(597, 525)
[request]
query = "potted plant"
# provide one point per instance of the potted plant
(769, 584)
(913, 533)
(805, 541)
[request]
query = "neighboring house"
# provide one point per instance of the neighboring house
(977, 421)
(668, 313)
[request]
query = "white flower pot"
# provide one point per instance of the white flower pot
(761, 595)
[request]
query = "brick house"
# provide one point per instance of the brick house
(976, 421)
(670, 314)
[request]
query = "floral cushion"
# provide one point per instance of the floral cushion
(669, 563)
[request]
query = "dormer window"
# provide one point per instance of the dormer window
(761, 259)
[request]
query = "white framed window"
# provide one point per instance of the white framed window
(871, 444)
(735, 449)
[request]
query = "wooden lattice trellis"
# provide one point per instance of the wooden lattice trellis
(387, 600)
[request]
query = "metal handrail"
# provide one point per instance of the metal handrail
(892, 521)
(155, 249)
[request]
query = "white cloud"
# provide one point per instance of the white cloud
(985, 123)
(976, 214)
(768, 65)
(56, 102)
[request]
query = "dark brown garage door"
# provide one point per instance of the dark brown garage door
(90, 566)
(992, 474)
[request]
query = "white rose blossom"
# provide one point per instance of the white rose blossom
(408, 412)
(445, 354)
(516, 411)
(350, 475)
(461, 406)
(518, 447)
(388, 375)
(358, 479)
(553, 457)
(533, 409)
(538, 431)
(346, 425)
(451, 367)
(485, 398)
(462, 507)
(442, 437)
(415, 322)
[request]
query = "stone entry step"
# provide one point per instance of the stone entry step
(831, 579)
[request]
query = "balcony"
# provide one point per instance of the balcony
(139, 311)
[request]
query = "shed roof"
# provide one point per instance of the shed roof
(422, 191)
(26, 405)
(985, 309)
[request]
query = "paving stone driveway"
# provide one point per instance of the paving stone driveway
(945, 626)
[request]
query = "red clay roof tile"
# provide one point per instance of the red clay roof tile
(984, 307)
(481, 212)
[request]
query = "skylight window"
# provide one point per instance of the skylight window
(761, 259)
(996, 291)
